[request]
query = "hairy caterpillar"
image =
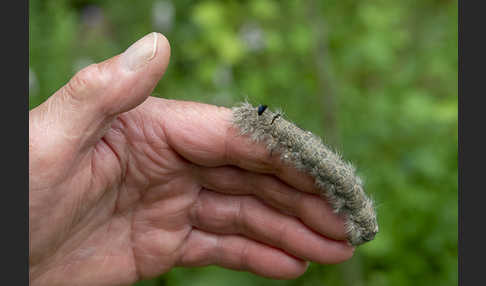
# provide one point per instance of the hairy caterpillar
(335, 178)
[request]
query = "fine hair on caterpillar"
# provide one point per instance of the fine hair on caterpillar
(335, 178)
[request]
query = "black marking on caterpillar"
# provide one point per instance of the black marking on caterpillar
(275, 117)
(335, 178)
(261, 109)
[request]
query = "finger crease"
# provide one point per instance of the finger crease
(281, 236)
(244, 255)
(239, 218)
(218, 250)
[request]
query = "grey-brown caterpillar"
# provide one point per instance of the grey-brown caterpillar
(335, 178)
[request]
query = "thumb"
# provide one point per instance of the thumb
(80, 111)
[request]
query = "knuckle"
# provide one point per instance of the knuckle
(84, 82)
(242, 217)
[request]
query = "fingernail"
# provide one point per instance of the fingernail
(141, 52)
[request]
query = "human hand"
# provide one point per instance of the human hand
(123, 186)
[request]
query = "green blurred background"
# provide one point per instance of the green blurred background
(376, 79)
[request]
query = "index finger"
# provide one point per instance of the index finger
(205, 135)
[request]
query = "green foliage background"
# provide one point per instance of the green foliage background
(376, 78)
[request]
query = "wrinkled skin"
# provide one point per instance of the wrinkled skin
(124, 187)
